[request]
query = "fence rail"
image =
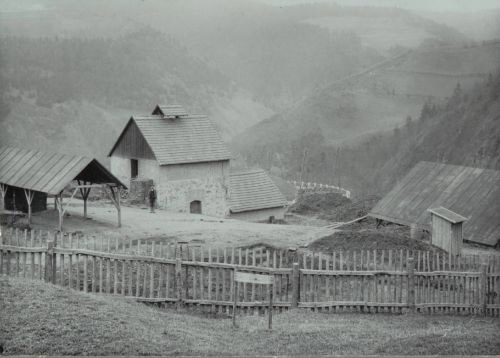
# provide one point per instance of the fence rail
(368, 280)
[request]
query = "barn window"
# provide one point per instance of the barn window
(134, 168)
(195, 207)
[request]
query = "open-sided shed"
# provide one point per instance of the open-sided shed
(472, 192)
(38, 173)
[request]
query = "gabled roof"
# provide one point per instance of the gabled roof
(189, 139)
(448, 215)
(253, 190)
(472, 192)
(170, 111)
(49, 172)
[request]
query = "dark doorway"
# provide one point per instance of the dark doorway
(134, 168)
(195, 207)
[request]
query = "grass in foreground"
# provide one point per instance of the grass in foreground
(37, 318)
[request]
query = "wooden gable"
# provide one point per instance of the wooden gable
(132, 144)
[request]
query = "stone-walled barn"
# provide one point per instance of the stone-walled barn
(183, 155)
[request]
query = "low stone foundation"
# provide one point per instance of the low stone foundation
(138, 191)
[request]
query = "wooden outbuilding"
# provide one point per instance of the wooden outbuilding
(447, 231)
(27, 177)
(253, 196)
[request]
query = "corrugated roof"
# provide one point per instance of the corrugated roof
(472, 192)
(49, 172)
(253, 190)
(448, 215)
(170, 111)
(189, 139)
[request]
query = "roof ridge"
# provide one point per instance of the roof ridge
(156, 116)
(249, 171)
(46, 152)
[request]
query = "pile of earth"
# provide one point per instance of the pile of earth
(331, 206)
(391, 237)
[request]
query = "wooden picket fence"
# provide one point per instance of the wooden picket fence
(201, 276)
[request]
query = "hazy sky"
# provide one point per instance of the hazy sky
(424, 5)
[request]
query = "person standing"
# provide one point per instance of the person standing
(152, 199)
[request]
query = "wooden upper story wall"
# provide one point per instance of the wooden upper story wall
(132, 144)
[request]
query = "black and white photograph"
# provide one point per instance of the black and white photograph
(250, 178)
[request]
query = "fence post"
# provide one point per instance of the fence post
(295, 285)
(411, 283)
(48, 261)
(1, 251)
(178, 278)
(54, 263)
(483, 294)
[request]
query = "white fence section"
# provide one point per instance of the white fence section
(316, 186)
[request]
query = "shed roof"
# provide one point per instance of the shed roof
(190, 139)
(472, 192)
(448, 215)
(253, 190)
(170, 111)
(49, 172)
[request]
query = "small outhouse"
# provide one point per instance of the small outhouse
(447, 230)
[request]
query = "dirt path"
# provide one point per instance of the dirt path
(141, 224)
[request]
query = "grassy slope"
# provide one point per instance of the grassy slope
(42, 319)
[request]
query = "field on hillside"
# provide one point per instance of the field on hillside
(39, 318)
(380, 33)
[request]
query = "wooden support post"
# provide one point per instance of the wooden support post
(29, 199)
(3, 194)
(84, 192)
(295, 285)
(483, 295)
(411, 283)
(58, 203)
(115, 199)
(119, 208)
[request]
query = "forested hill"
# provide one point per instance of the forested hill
(79, 92)
(463, 129)
(123, 72)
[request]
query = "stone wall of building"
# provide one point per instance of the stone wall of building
(262, 215)
(139, 191)
(179, 185)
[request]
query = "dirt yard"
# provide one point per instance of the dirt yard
(139, 223)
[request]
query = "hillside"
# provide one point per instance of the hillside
(381, 28)
(463, 129)
(81, 92)
(348, 112)
(278, 54)
(42, 319)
